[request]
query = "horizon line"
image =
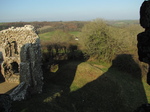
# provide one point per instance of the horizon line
(70, 20)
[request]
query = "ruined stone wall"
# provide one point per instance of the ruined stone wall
(144, 37)
(21, 57)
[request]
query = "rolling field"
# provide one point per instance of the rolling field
(75, 33)
(47, 36)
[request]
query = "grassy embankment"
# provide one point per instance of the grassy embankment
(87, 87)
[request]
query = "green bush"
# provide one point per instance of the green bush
(101, 41)
(97, 40)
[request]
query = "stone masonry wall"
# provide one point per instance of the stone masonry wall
(20, 58)
(144, 37)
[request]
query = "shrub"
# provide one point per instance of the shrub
(97, 40)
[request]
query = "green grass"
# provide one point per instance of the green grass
(121, 23)
(75, 33)
(112, 91)
(147, 90)
(2, 23)
(85, 87)
(46, 36)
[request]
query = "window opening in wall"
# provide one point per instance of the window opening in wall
(15, 67)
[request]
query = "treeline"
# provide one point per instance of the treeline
(17, 24)
(61, 46)
(65, 26)
(43, 27)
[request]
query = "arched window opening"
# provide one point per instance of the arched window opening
(15, 67)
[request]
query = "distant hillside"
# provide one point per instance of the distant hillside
(43, 27)
(121, 23)
(47, 26)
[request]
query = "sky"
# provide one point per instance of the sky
(68, 10)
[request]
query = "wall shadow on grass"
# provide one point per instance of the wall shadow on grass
(55, 85)
(64, 76)
(120, 89)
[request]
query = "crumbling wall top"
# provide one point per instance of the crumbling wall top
(22, 35)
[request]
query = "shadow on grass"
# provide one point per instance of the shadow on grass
(55, 84)
(120, 89)
(64, 76)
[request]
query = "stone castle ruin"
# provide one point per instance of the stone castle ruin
(21, 60)
(144, 37)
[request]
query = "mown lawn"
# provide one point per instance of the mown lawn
(75, 33)
(46, 36)
(88, 87)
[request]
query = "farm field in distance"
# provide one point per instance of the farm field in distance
(46, 36)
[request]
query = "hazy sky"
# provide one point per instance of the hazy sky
(68, 10)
